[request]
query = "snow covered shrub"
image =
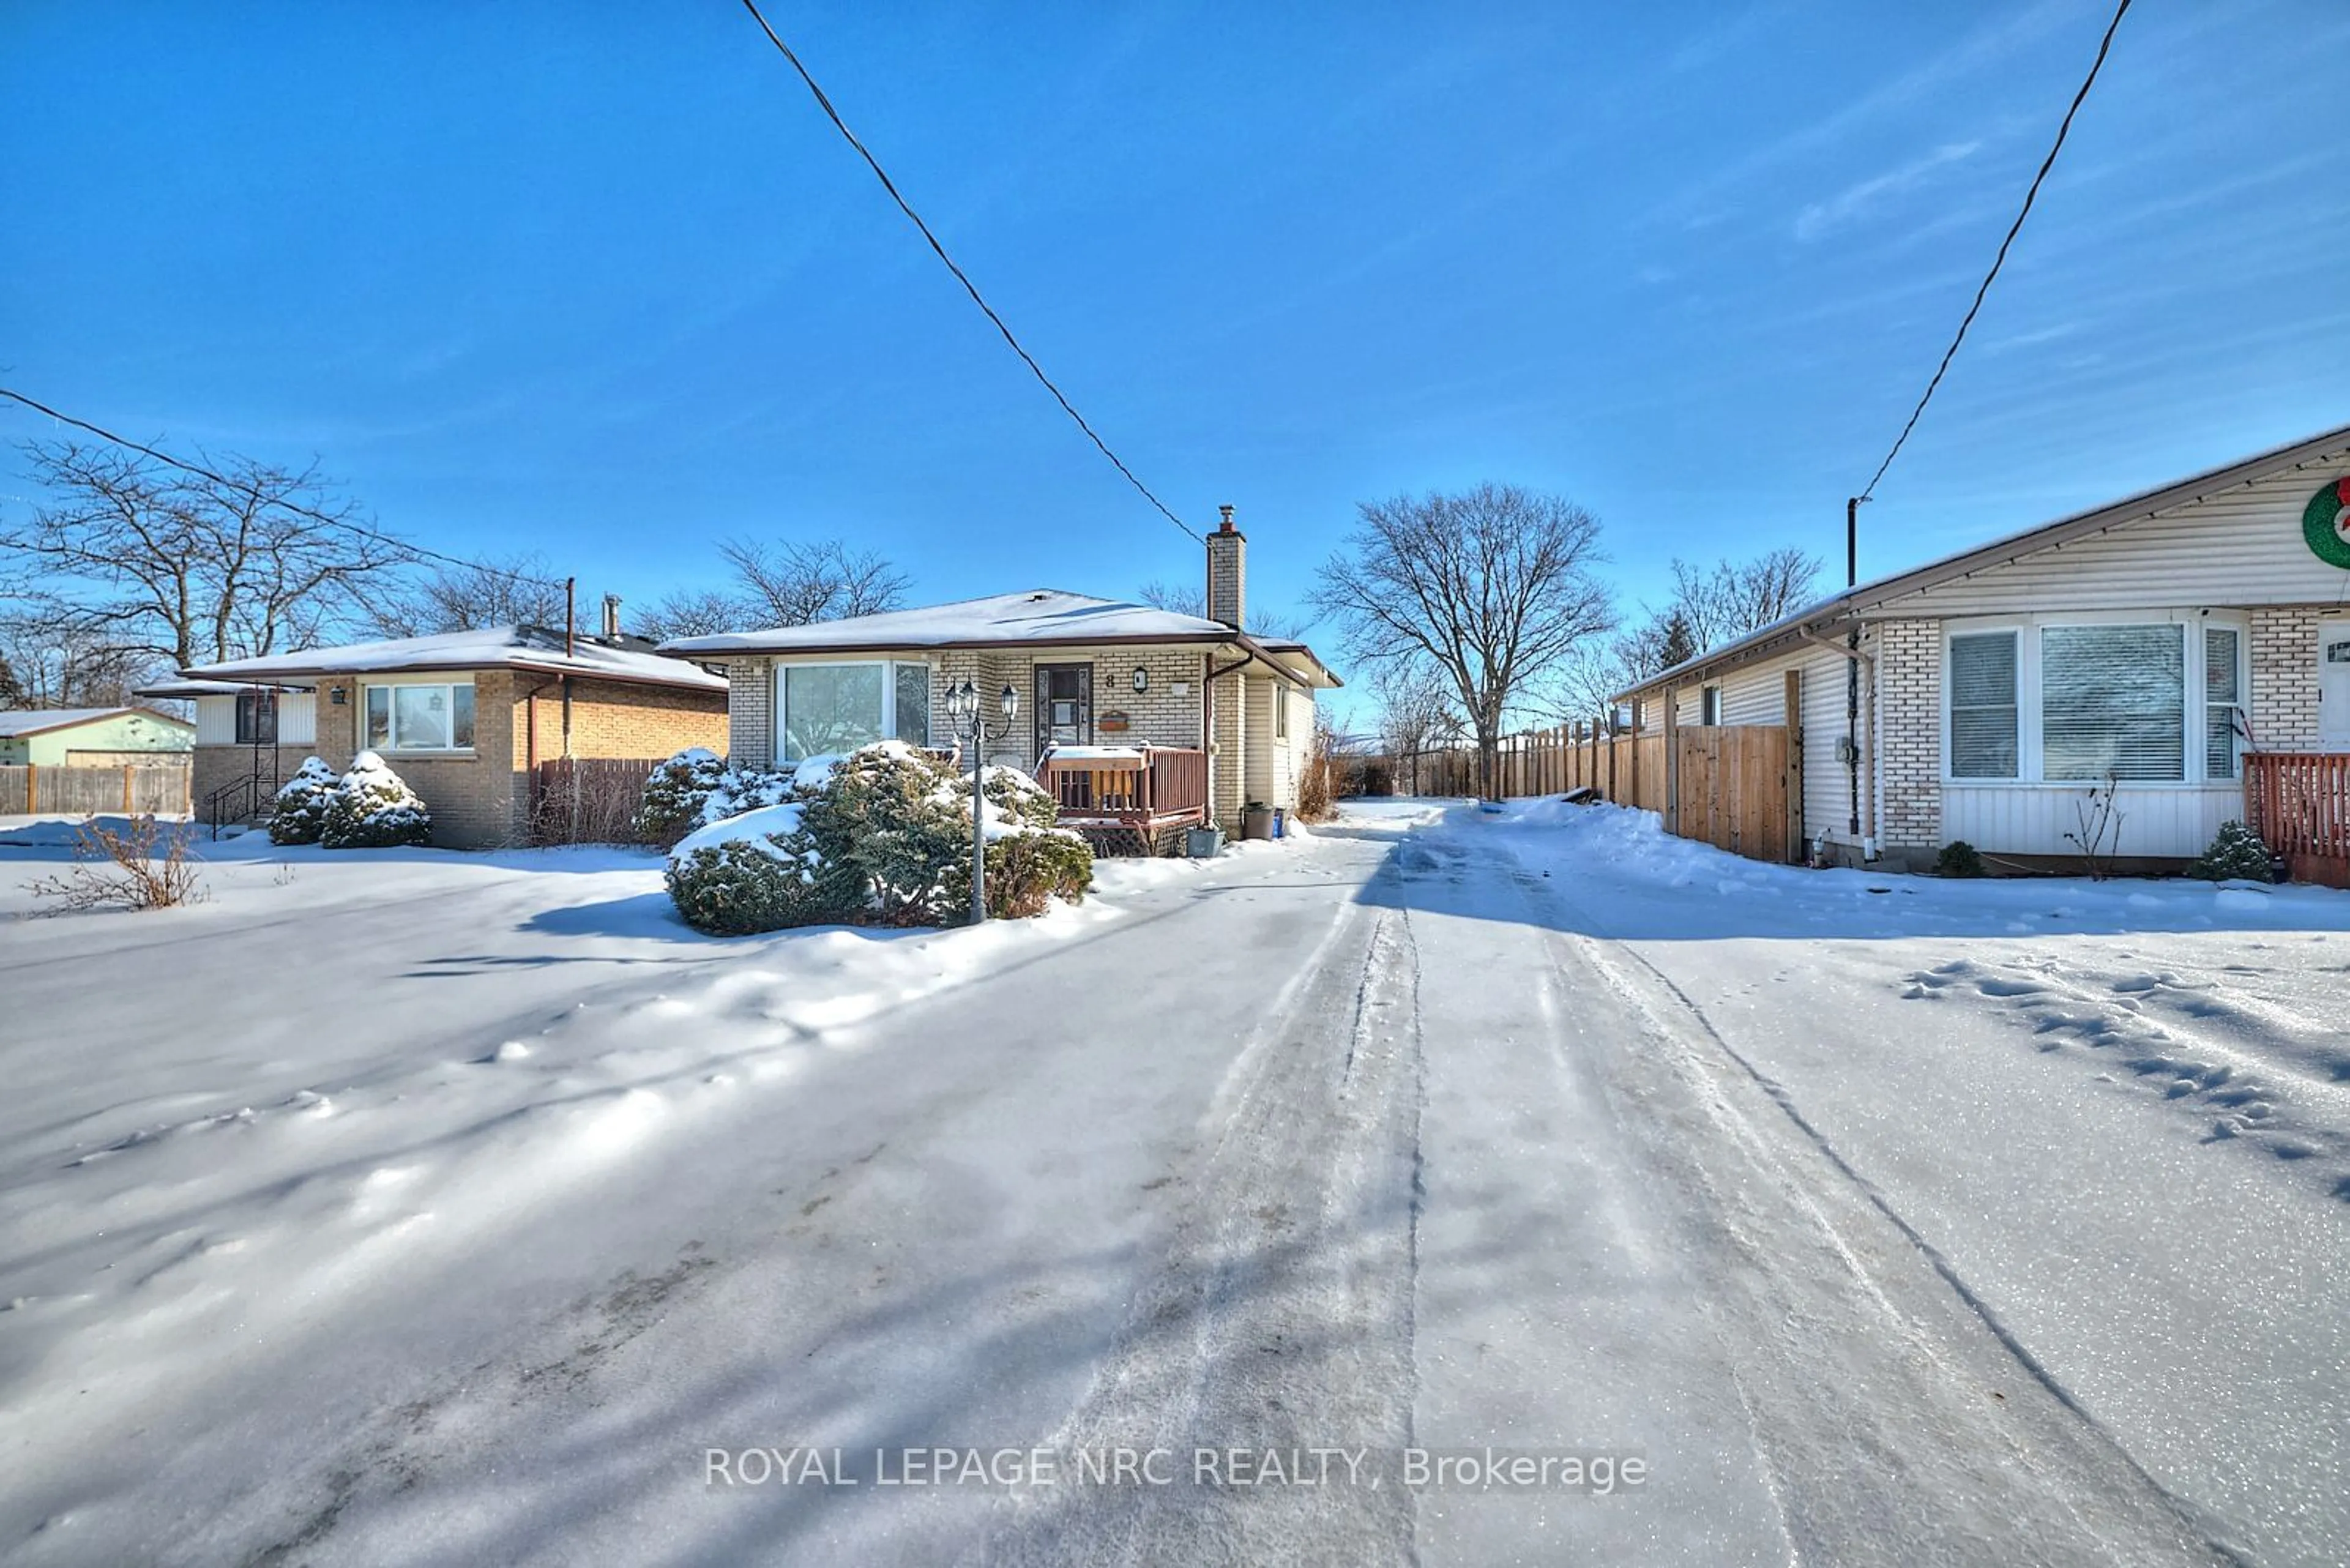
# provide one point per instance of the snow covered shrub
(891, 816)
(1025, 872)
(882, 837)
(298, 812)
(696, 787)
(2237, 854)
(373, 808)
(760, 871)
(1958, 859)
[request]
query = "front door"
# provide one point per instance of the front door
(1064, 705)
(2334, 684)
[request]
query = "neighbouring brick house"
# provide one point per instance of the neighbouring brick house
(1095, 674)
(2154, 642)
(464, 717)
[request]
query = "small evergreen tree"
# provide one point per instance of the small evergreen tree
(2236, 854)
(1958, 859)
(373, 808)
(298, 815)
(1680, 643)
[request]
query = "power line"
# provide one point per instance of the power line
(2000, 260)
(1026, 358)
(295, 507)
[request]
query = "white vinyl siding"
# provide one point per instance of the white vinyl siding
(2240, 547)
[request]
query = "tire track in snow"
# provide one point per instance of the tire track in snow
(2016, 1476)
(1280, 1315)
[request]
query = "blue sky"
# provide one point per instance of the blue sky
(596, 281)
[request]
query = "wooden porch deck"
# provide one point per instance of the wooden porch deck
(1129, 799)
(2298, 803)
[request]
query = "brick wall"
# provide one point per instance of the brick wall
(218, 766)
(2284, 677)
(751, 712)
(1909, 733)
(482, 798)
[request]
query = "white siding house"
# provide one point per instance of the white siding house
(2142, 647)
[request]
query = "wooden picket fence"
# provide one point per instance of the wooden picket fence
(160, 789)
(2298, 803)
(1736, 786)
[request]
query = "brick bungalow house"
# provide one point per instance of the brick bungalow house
(464, 717)
(1097, 675)
(2155, 641)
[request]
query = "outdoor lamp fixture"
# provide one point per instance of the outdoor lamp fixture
(1141, 679)
(963, 710)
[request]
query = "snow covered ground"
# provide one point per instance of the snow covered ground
(408, 1207)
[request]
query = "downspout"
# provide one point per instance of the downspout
(530, 743)
(1852, 668)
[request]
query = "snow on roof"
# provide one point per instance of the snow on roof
(491, 648)
(183, 689)
(17, 721)
(1041, 615)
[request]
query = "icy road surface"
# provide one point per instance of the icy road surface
(433, 1208)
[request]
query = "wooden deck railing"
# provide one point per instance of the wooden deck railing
(1148, 788)
(2298, 803)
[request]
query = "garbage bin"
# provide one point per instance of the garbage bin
(1257, 822)
(1204, 843)
(1280, 822)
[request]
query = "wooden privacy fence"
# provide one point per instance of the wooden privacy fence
(2298, 803)
(159, 789)
(589, 800)
(1735, 787)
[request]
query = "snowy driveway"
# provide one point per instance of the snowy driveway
(481, 1208)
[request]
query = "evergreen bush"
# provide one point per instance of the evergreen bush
(297, 814)
(1958, 859)
(2236, 854)
(373, 808)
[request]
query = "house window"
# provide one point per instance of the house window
(256, 718)
(1982, 706)
(1709, 705)
(421, 718)
(2223, 700)
(2113, 702)
(827, 709)
(1280, 711)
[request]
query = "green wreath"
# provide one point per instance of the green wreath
(2326, 523)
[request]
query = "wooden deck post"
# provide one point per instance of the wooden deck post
(32, 788)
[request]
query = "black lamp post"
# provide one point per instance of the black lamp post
(963, 710)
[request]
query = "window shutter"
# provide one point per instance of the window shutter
(2113, 701)
(1982, 706)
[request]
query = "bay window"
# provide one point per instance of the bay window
(417, 718)
(2148, 702)
(823, 709)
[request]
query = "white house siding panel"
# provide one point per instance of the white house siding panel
(1259, 773)
(2240, 547)
(2163, 820)
(215, 720)
(1827, 792)
(298, 719)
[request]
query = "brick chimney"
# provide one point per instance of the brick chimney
(1227, 572)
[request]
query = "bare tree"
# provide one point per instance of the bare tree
(1417, 710)
(1736, 597)
(71, 666)
(148, 560)
(690, 612)
(1193, 601)
(1490, 587)
(784, 583)
(514, 590)
(11, 694)
(793, 584)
